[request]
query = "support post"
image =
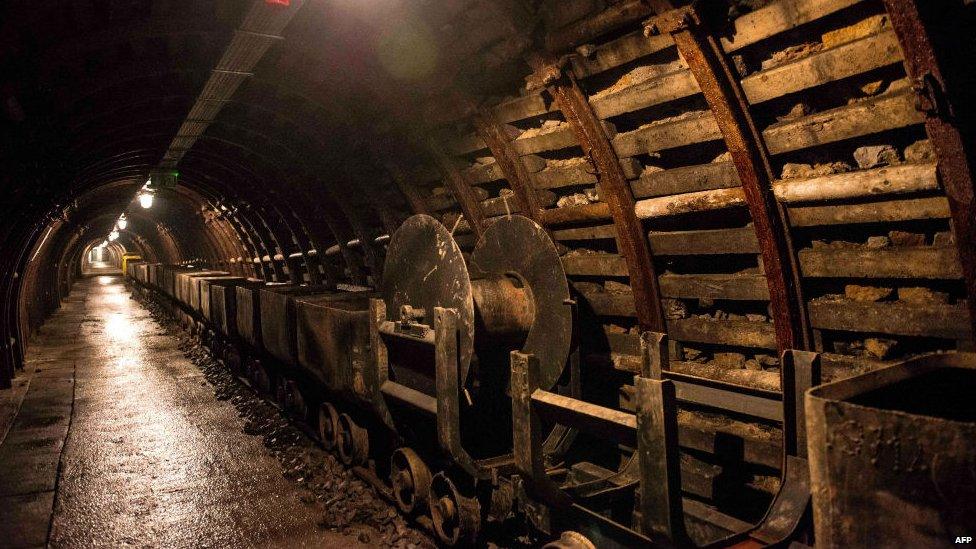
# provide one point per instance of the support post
(448, 386)
(659, 464)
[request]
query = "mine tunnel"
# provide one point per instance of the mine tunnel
(487, 273)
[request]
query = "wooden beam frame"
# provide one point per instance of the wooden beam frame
(490, 131)
(717, 80)
(615, 189)
(460, 187)
(939, 99)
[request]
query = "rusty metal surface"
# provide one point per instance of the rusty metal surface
(223, 303)
(518, 246)
(279, 333)
(460, 187)
(425, 269)
(940, 99)
(717, 80)
(205, 301)
(333, 334)
(901, 440)
(490, 131)
(614, 189)
(248, 319)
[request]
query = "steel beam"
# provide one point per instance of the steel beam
(519, 179)
(939, 88)
(717, 80)
(614, 188)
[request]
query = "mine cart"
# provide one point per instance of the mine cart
(893, 454)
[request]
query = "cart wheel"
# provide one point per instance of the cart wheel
(328, 426)
(353, 441)
(457, 519)
(410, 478)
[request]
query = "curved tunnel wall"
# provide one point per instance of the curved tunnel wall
(567, 112)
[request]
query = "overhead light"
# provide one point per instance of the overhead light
(123, 223)
(113, 235)
(146, 200)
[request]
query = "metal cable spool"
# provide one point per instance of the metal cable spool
(512, 295)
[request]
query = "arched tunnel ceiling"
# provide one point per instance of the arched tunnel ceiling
(95, 91)
(617, 125)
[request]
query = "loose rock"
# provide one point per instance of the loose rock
(876, 155)
(902, 238)
(879, 348)
(866, 293)
(920, 151)
(922, 295)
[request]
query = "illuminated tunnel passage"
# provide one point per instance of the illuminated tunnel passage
(577, 273)
(119, 441)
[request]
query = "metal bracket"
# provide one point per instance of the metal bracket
(547, 73)
(672, 20)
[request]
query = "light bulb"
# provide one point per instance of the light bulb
(146, 200)
(123, 223)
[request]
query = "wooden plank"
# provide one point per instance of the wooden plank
(610, 303)
(748, 287)
(595, 139)
(830, 65)
(586, 29)
(464, 193)
(944, 73)
(527, 106)
(501, 205)
(586, 233)
(659, 136)
(578, 171)
(927, 262)
(480, 174)
(598, 211)
(595, 264)
(886, 112)
(779, 17)
(618, 52)
(647, 93)
(556, 178)
(467, 144)
(560, 138)
(740, 333)
(701, 201)
(875, 212)
(687, 179)
(705, 242)
(715, 74)
(494, 134)
(894, 318)
(904, 178)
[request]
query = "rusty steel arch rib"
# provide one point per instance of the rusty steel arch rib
(728, 104)
(460, 187)
(941, 101)
(490, 131)
(632, 244)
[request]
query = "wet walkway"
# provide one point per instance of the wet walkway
(119, 441)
